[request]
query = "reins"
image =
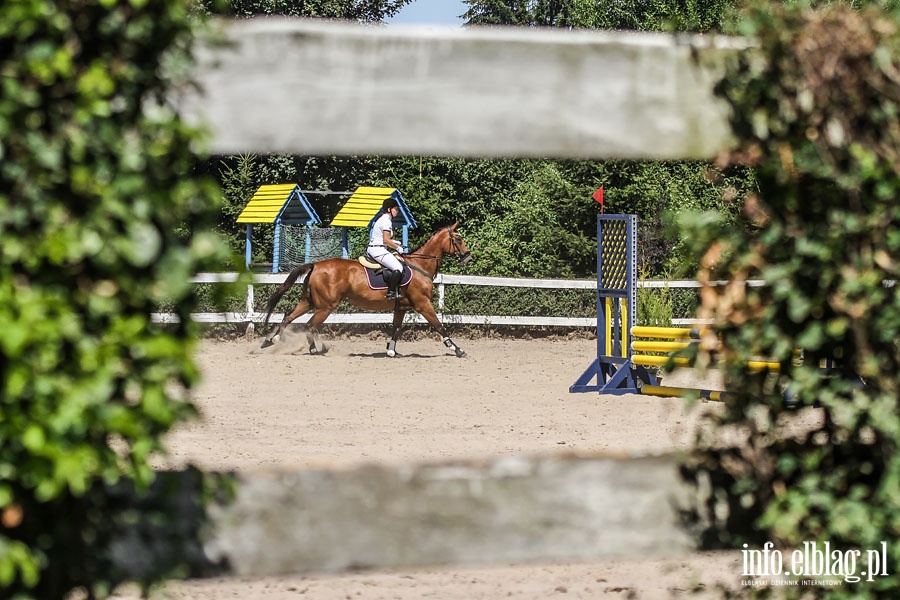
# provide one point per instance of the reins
(456, 255)
(420, 269)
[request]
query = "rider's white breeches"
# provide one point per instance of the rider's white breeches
(385, 258)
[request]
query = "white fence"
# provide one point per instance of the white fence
(251, 316)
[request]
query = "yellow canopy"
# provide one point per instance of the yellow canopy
(362, 206)
(269, 201)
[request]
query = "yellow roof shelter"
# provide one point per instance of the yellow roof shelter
(279, 203)
(282, 203)
(365, 203)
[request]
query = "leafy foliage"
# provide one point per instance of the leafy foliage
(95, 199)
(817, 108)
(700, 16)
(364, 11)
(529, 236)
(538, 214)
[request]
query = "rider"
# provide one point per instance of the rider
(381, 242)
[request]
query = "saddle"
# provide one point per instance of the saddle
(375, 273)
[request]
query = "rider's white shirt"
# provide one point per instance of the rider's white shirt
(377, 249)
(382, 224)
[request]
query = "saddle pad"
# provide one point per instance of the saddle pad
(376, 278)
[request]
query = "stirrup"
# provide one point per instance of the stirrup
(393, 295)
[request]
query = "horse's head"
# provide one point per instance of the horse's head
(457, 246)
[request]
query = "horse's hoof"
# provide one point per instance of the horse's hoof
(267, 342)
(313, 350)
(392, 353)
(460, 353)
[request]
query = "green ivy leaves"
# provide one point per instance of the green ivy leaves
(815, 109)
(94, 197)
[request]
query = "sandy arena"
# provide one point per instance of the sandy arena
(272, 410)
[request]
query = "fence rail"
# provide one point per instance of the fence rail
(474, 92)
(511, 509)
(251, 316)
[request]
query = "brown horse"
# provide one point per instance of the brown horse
(335, 279)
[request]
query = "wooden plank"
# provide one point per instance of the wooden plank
(336, 88)
(511, 509)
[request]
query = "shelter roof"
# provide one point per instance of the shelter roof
(279, 203)
(364, 205)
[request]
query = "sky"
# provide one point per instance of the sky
(431, 12)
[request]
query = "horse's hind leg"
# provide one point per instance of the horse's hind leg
(301, 309)
(312, 330)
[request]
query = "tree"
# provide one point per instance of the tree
(499, 12)
(363, 11)
(699, 16)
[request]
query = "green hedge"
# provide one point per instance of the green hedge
(816, 110)
(95, 186)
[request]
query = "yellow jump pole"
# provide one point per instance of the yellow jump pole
(654, 346)
(650, 360)
(674, 392)
(608, 325)
(762, 365)
(678, 333)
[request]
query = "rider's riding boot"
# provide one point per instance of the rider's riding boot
(393, 280)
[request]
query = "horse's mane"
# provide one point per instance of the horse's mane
(431, 237)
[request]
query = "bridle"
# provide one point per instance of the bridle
(456, 252)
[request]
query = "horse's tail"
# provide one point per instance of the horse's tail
(292, 278)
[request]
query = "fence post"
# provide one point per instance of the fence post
(250, 333)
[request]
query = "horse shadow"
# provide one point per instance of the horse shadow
(398, 355)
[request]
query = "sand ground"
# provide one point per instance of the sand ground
(277, 410)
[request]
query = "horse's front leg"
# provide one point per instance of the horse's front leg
(395, 333)
(427, 311)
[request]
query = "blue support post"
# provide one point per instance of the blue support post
(276, 251)
(248, 252)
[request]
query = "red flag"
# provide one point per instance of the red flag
(598, 196)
